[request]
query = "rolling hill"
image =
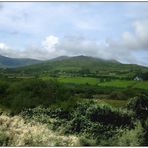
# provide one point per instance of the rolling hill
(79, 65)
(7, 62)
(60, 58)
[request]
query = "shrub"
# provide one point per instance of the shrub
(130, 92)
(139, 105)
(3, 137)
(3, 88)
(66, 105)
(81, 108)
(129, 137)
(84, 141)
(107, 115)
(117, 95)
(145, 142)
(32, 93)
(78, 124)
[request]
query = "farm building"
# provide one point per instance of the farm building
(138, 78)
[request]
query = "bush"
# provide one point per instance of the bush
(145, 143)
(117, 95)
(66, 105)
(129, 137)
(32, 93)
(3, 137)
(130, 92)
(84, 141)
(78, 124)
(3, 88)
(139, 105)
(107, 115)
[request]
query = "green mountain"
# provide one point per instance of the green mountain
(7, 62)
(82, 66)
(60, 58)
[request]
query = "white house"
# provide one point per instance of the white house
(137, 78)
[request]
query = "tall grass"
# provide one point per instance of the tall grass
(15, 132)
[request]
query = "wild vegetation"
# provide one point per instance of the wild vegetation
(75, 107)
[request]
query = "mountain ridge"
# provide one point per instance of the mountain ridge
(8, 62)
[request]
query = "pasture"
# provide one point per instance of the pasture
(96, 81)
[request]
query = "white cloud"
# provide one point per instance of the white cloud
(137, 39)
(3, 46)
(47, 51)
(4, 49)
(77, 45)
(49, 43)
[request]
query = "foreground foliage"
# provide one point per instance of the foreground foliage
(101, 124)
(15, 132)
(47, 113)
(32, 93)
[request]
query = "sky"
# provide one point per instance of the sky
(45, 30)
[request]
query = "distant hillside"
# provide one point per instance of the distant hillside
(81, 65)
(60, 58)
(7, 62)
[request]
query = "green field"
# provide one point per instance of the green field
(75, 80)
(95, 81)
(79, 80)
(125, 83)
(118, 83)
(142, 85)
